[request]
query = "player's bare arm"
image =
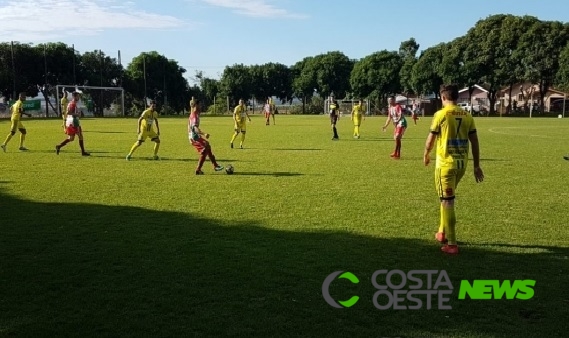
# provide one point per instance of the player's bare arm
(429, 144)
(139, 124)
(478, 174)
(387, 122)
(157, 127)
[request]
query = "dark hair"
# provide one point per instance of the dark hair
(152, 101)
(449, 92)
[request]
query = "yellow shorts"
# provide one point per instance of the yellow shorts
(357, 121)
(446, 181)
(16, 125)
(148, 134)
(240, 126)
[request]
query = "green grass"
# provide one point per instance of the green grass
(101, 246)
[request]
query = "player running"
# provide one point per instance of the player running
(145, 130)
(452, 128)
(395, 114)
(73, 126)
(415, 112)
(240, 116)
(196, 137)
(16, 123)
(357, 116)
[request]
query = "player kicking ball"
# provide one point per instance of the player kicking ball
(198, 139)
(145, 130)
(73, 126)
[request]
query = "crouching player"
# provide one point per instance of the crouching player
(198, 140)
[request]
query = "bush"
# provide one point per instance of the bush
(314, 106)
(220, 107)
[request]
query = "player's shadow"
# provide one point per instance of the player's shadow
(43, 151)
(105, 132)
(85, 269)
(298, 149)
(267, 173)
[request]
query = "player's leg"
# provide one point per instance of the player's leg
(446, 180)
(140, 141)
(23, 133)
(267, 119)
(211, 156)
(81, 142)
(243, 134)
(200, 147)
(236, 130)
(273, 114)
(334, 130)
(13, 128)
(156, 141)
(70, 131)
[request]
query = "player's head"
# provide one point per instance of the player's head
(152, 104)
(22, 96)
(449, 93)
(241, 102)
(76, 96)
(391, 100)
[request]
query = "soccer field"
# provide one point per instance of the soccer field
(99, 245)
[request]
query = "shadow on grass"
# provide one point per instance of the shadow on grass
(298, 149)
(267, 173)
(70, 269)
(105, 132)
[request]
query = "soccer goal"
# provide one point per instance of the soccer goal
(346, 106)
(95, 101)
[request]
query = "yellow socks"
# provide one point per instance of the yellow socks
(449, 223)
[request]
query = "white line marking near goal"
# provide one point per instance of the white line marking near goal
(495, 131)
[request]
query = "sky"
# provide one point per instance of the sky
(208, 35)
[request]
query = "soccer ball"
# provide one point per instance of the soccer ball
(229, 169)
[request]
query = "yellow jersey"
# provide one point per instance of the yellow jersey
(148, 118)
(17, 109)
(240, 113)
(452, 125)
(358, 110)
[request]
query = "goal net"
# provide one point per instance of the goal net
(95, 101)
(346, 106)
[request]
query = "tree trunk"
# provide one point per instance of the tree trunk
(492, 98)
(543, 89)
(304, 104)
(510, 101)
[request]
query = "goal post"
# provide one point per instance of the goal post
(346, 105)
(95, 100)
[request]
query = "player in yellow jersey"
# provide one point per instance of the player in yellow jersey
(16, 123)
(357, 117)
(240, 117)
(452, 128)
(145, 130)
(64, 102)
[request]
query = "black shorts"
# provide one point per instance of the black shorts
(333, 118)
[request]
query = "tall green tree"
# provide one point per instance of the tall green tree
(543, 43)
(426, 78)
(408, 53)
(237, 82)
(377, 75)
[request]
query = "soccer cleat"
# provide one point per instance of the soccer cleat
(156, 158)
(57, 150)
(566, 157)
(85, 154)
(241, 147)
(450, 249)
(128, 157)
(396, 157)
(393, 155)
(199, 172)
(3, 147)
(218, 168)
(231, 145)
(23, 149)
(440, 237)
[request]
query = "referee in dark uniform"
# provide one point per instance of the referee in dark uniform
(334, 116)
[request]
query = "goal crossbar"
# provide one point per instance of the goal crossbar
(59, 87)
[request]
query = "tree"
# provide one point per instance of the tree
(377, 75)
(543, 42)
(97, 69)
(408, 53)
(333, 71)
(236, 82)
(165, 81)
(426, 78)
(562, 76)
(304, 80)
